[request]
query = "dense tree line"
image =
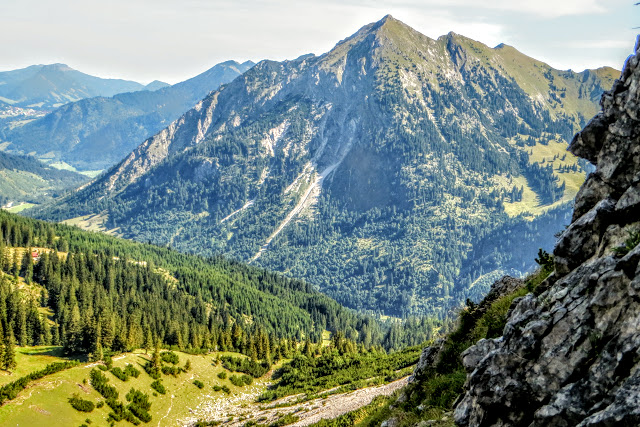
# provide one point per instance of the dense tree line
(110, 295)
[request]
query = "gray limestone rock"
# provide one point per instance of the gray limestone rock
(571, 356)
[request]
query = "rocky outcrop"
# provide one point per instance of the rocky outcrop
(431, 355)
(571, 355)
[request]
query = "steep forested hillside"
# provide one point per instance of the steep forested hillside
(95, 133)
(397, 173)
(91, 293)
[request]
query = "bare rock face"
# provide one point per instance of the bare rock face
(571, 356)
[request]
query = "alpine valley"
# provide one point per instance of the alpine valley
(397, 173)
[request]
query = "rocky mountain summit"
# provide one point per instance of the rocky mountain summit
(570, 354)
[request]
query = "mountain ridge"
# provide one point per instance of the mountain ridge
(95, 133)
(47, 86)
(390, 147)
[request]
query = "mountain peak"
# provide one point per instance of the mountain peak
(155, 85)
(387, 18)
(388, 31)
(56, 67)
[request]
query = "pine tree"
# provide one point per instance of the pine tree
(26, 269)
(9, 356)
(156, 362)
(97, 351)
(2, 335)
(253, 351)
(148, 341)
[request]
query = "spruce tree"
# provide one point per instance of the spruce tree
(97, 351)
(2, 336)
(26, 269)
(9, 356)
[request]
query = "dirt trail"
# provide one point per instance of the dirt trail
(339, 404)
(168, 411)
(244, 408)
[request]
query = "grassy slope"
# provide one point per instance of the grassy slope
(45, 401)
(530, 204)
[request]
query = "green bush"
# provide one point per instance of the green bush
(139, 405)
(121, 412)
(285, 420)
(99, 383)
(170, 357)
(632, 241)
(120, 374)
(247, 366)
(80, 404)
(222, 375)
(236, 380)
(158, 386)
(131, 371)
(198, 383)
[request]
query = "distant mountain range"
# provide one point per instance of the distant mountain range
(24, 179)
(95, 133)
(398, 173)
(50, 86)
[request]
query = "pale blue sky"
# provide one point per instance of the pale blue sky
(172, 40)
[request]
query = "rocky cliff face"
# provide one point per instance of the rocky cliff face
(571, 355)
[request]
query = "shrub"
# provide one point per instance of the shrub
(198, 384)
(285, 420)
(226, 389)
(131, 371)
(169, 357)
(80, 404)
(120, 374)
(236, 380)
(246, 366)
(139, 405)
(121, 412)
(201, 423)
(171, 370)
(632, 241)
(99, 383)
(158, 386)
(222, 375)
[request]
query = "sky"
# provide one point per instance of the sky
(172, 40)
